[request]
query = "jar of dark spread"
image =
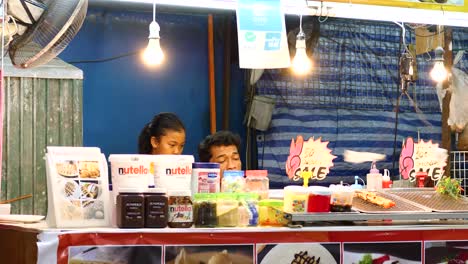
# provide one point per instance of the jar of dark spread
(155, 208)
(205, 210)
(180, 209)
(130, 208)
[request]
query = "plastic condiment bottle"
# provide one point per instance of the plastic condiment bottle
(374, 179)
(386, 182)
(420, 178)
(356, 185)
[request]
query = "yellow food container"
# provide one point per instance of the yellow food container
(271, 213)
(295, 199)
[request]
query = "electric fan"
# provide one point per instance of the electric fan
(44, 29)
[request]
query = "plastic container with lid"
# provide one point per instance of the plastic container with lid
(233, 181)
(319, 199)
(205, 177)
(227, 209)
(271, 213)
(205, 210)
(131, 208)
(295, 199)
(180, 209)
(156, 205)
(248, 209)
(341, 198)
(374, 179)
(131, 171)
(256, 181)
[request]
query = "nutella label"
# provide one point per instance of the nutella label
(186, 170)
(180, 213)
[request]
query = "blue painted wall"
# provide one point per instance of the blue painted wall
(121, 96)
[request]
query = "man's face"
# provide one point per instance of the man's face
(227, 156)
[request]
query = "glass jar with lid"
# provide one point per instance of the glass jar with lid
(180, 212)
(227, 209)
(256, 181)
(205, 210)
(233, 181)
(130, 208)
(248, 209)
(155, 208)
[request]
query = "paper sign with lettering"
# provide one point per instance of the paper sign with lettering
(262, 35)
(425, 156)
(309, 160)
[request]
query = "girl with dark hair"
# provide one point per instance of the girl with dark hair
(165, 134)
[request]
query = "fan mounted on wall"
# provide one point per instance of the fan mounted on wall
(41, 29)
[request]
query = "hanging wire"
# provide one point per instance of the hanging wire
(320, 19)
(300, 23)
(402, 25)
(154, 10)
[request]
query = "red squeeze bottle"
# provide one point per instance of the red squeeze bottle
(420, 177)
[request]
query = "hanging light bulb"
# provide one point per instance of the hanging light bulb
(439, 73)
(301, 64)
(153, 54)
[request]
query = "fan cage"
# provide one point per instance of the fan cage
(50, 35)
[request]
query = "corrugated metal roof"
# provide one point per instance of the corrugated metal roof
(55, 69)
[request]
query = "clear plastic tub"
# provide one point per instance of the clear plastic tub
(341, 198)
(295, 199)
(256, 181)
(319, 199)
(227, 209)
(233, 181)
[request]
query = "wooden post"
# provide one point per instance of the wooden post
(211, 74)
(446, 132)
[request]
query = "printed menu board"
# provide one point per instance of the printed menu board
(77, 185)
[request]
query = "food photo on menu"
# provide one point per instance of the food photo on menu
(382, 253)
(298, 253)
(114, 254)
(209, 254)
(446, 252)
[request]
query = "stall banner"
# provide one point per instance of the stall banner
(442, 5)
(309, 159)
(425, 156)
(262, 35)
(255, 245)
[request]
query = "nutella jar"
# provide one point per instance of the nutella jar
(180, 213)
(155, 208)
(130, 208)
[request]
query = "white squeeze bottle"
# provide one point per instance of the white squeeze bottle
(374, 179)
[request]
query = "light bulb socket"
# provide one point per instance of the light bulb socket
(154, 30)
(439, 54)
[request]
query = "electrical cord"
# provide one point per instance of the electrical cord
(105, 59)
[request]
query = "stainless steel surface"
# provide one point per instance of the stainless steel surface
(434, 200)
(402, 206)
(374, 216)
